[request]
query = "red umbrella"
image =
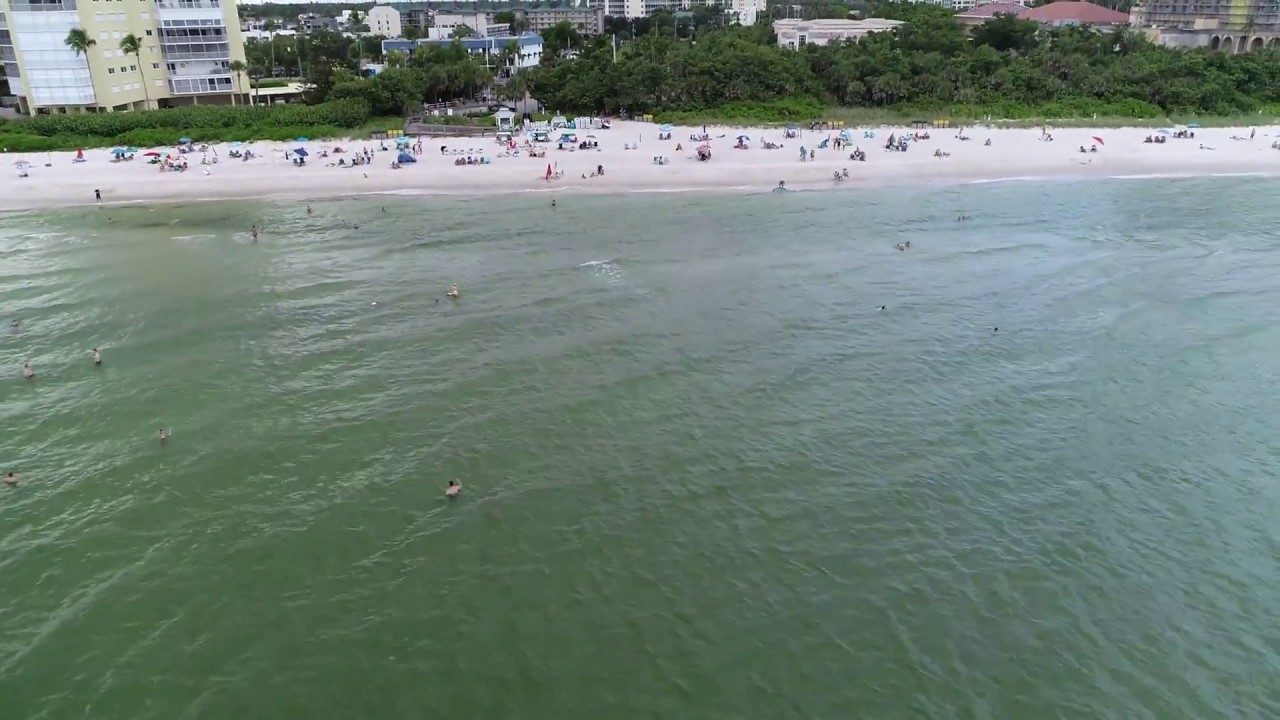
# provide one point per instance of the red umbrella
(1098, 140)
(153, 153)
(549, 171)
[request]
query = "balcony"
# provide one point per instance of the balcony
(21, 6)
(202, 85)
(188, 4)
(208, 53)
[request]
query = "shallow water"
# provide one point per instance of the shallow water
(705, 475)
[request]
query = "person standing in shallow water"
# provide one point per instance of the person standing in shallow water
(97, 357)
(254, 232)
(164, 436)
(453, 489)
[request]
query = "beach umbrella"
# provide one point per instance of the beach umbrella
(302, 139)
(744, 138)
(1164, 131)
(301, 152)
(235, 144)
(184, 140)
(131, 150)
(665, 128)
(402, 140)
(117, 151)
(1098, 140)
(153, 153)
(406, 158)
(1193, 125)
(549, 171)
(21, 164)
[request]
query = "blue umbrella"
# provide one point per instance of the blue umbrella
(117, 151)
(406, 158)
(1193, 125)
(1164, 131)
(184, 140)
(235, 144)
(744, 138)
(402, 140)
(302, 139)
(300, 152)
(665, 128)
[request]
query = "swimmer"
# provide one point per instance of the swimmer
(97, 357)
(27, 372)
(17, 323)
(164, 436)
(453, 489)
(308, 209)
(254, 232)
(10, 479)
(553, 202)
(453, 292)
(881, 307)
(908, 244)
(901, 247)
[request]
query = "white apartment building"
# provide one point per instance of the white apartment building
(187, 49)
(384, 20)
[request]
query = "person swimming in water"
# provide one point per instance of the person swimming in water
(453, 489)
(453, 292)
(97, 357)
(164, 436)
(10, 479)
(27, 372)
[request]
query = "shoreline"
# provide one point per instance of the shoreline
(1014, 154)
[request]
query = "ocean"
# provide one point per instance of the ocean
(723, 457)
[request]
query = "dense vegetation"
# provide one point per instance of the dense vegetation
(202, 123)
(1008, 68)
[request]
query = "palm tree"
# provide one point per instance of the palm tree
(131, 45)
(79, 41)
(237, 67)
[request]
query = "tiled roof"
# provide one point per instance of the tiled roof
(993, 9)
(1084, 13)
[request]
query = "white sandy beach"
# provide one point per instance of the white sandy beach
(55, 181)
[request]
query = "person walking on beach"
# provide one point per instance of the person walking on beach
(97, 195)
(97, 357)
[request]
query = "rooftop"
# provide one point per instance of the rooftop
(1081, 13)
(990, 10)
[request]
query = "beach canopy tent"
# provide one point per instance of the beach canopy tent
(405, 158)
(568, 138)
(559, 121)
(846, 136)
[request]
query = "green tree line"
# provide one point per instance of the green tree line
(1006, 66)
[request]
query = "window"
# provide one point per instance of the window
(97, 16)
(111, 71)
(102, 35)
(155, 66)
(115, 88)
(115, 35)
(147, 16)
(133, 68)
(144, 17)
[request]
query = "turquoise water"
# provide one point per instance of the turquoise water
(705, 475)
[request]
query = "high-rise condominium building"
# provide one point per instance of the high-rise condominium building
(187, 47)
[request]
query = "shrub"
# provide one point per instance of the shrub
(198, 120)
